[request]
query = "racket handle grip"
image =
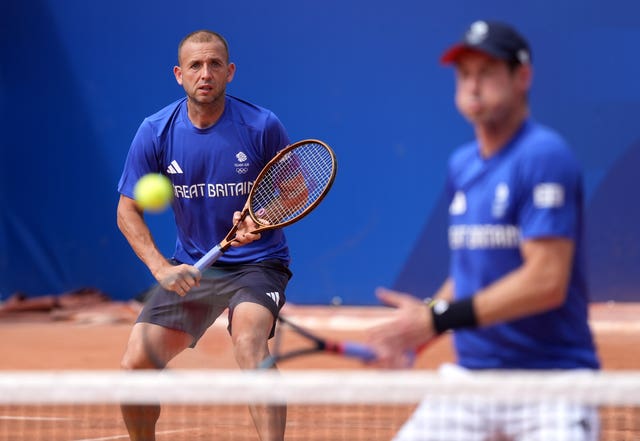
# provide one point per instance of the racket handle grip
(358, 350)
(365, 353)
(212, 255)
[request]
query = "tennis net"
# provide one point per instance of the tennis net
(322, 405)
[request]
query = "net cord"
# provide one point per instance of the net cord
(314, 387)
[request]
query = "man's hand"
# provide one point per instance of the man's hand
(178, 278)
(408, 328)
(244, 234)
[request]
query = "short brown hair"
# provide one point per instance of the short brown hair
(203, 36)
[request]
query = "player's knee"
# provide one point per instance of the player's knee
(128, 363)
(249, 350)
(133, 360)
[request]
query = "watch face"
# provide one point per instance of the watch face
(440, 307)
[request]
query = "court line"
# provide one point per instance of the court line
(114, 437)
(103, 438)
(623, 326)
(28, 418)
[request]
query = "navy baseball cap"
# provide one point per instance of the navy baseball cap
(493, 38)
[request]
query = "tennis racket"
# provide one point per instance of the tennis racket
(288, 188)
(316, 345)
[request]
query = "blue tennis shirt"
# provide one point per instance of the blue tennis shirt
(530, 189)
(212, 171)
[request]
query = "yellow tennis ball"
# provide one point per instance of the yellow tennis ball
(153, 192)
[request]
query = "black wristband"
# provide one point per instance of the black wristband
(454, 315)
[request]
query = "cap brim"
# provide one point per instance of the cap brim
(452, 54)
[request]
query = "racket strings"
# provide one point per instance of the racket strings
(293, 184)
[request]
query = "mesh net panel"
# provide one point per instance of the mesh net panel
(322, 405)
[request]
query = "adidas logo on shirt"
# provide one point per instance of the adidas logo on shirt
(174, 168)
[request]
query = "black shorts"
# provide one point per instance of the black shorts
(221, 287)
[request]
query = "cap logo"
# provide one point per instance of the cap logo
(523, 56)
(477, 32)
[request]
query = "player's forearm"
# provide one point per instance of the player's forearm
(539, 285)
(131, 223)
(512, 297)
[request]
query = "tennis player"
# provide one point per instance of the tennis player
(516, 296)
(212, 147)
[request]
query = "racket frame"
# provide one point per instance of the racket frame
(217, 251)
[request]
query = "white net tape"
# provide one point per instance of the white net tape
(315, 387)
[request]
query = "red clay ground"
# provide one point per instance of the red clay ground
(93, 337)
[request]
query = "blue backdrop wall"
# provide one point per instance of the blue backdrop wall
(78, 77)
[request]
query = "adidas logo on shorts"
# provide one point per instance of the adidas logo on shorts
(275, 296)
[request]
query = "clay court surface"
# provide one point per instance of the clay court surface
(93, 337)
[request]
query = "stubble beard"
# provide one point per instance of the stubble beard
(209, 104)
